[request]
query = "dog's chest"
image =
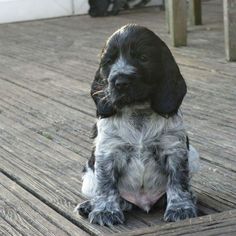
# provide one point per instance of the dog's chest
(134, 139)
(133, 131)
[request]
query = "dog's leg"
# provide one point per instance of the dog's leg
(86, 207)
(180, 200)
(106, 206)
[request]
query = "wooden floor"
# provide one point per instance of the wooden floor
(46, 114)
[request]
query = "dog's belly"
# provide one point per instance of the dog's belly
(142, 183)
(142, 199)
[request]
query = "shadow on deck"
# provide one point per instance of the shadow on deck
(46, 115)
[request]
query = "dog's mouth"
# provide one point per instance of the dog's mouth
(128, 97)
(120, 99)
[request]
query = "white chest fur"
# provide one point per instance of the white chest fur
(132, 127)
(132, 139)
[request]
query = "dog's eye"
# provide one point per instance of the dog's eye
(143, 58)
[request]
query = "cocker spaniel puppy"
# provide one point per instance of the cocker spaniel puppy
(141, 147)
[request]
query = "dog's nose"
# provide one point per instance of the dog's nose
(122, 83)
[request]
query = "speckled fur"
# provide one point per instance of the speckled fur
(141, 147)
(130, 156)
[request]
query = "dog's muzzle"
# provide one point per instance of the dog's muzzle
(122, 82)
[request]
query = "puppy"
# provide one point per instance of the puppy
(141, 149)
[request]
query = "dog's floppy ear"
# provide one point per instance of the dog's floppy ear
(171, 88)
(101, 99)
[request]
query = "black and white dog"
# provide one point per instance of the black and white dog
(141, 147)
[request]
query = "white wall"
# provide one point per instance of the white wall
(23, 10)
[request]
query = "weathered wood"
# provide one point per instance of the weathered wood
(230, 29)
(178, 22)
(46, 112)
(7, 229)
(216, 224)
(28, 215)
(195, 12)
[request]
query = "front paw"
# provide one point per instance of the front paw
(106, 217)
(84, 208)
(179, 212)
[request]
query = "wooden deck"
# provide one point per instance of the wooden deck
(46, 114)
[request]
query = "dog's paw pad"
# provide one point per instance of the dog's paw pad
(84, 208)
(179, 213)
(107, 218)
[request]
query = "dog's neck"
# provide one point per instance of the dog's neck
(140, 108)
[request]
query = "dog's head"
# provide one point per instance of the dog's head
(136, 66)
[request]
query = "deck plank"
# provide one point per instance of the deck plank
(217, 224)
(7, 229)
(29, 216)
(46, 113)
